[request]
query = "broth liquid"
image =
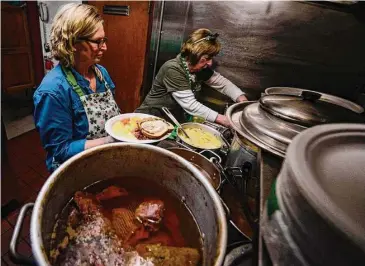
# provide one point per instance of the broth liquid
(139, 190)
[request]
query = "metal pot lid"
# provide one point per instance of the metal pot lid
(327, 163)
(307, 109)
(269, 129)
(324, 97)
(253, 134)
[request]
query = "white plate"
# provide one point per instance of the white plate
(111, 121)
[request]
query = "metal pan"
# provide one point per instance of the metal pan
(204, 127)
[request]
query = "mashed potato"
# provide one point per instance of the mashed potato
(125, 128)
(200, 138)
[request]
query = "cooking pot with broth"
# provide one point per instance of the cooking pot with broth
(136, 172)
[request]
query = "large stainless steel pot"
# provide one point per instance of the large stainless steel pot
(271, 123)
(317, 204)
(127, 160)
(265, 161)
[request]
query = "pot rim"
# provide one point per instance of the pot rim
(298, 164)
(35, 227)
(278, 90)
(236, 110)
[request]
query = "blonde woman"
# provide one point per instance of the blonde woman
(178, 79)
(76, 98)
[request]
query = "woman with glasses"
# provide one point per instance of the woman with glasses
(180, 78)
(76, 98)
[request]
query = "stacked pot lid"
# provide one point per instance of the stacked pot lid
(273, 121)
(324, 97)
(321, 194)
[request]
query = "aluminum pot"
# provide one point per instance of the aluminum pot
(242, 157)
(271, 123)
(317, 203)
(253, 166)
(242, 152)
(126, 160)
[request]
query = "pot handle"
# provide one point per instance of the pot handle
(14, 255)
(225, 141)
(214, 154)
(238, 253)
(184, 146)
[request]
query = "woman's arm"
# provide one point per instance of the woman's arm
(242, 98)
(222, 120)
(177, 84)
(97, 142)
(188, 102)
(186, 99)
(223, 85)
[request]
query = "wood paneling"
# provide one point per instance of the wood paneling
(16, 69)
(125, 58)
(36, 42)
(16, 64)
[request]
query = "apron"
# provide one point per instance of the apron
(99, 107)
(195, 86)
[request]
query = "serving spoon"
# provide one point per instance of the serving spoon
(170, 115)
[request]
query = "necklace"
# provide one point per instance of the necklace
(194, 85)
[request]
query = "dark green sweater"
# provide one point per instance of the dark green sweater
(170, 78)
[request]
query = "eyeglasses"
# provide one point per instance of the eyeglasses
(210, 37)
(99, 42)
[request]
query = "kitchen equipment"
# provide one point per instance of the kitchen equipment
(266, 127)
(206, 128)
(127, 160)
(315, 215)
(170, 115)
(324, 97)
(307, 110)
(240, 253)
(242, 156)
(275, 120)
(109, 128)
(213, 170)
(265, 160)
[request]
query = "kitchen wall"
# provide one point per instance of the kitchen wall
(48, 10)
(265, 44)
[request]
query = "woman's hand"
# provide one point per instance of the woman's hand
(242, 98)
(222, 120)
(97, 142)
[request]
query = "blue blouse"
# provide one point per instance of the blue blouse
(59, 114)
